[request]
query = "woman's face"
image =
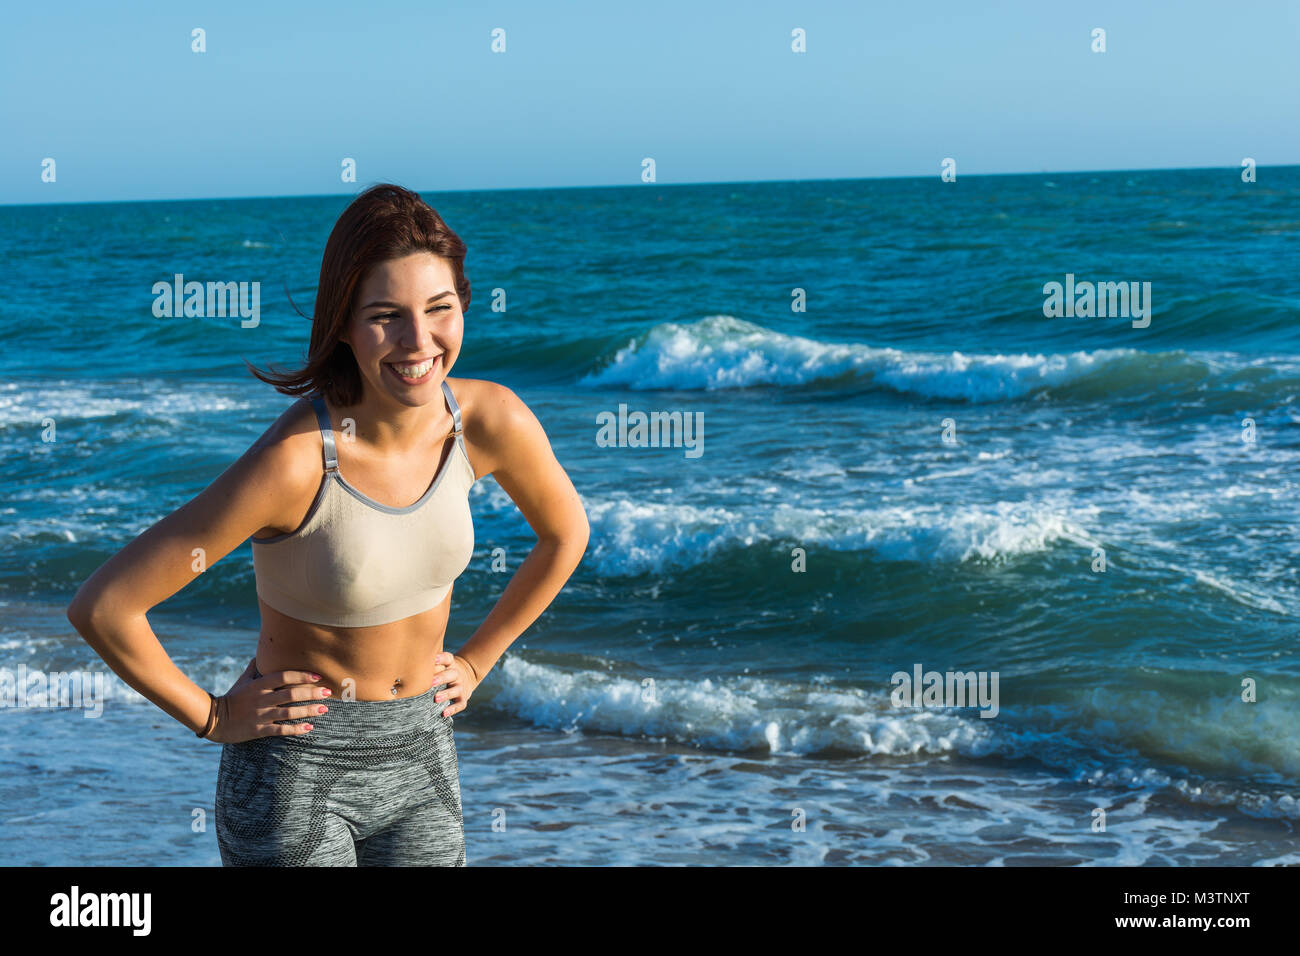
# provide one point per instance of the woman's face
(406, 329)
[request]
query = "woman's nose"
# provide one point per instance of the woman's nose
(418, 330)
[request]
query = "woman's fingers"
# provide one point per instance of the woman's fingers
(295, 712)
(447, 672)
(285, 730)
(454, 686)
(294, 702)
(456, 697)
(278, 679)
(296, 692)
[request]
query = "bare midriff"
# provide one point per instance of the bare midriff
(384, 662)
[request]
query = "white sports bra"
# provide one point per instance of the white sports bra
(354, 562)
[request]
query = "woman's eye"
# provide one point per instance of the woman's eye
(393, 315)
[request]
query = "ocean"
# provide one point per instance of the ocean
(905, 461)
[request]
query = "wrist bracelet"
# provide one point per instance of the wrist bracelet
(212, 718)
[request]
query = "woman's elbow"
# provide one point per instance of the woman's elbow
(79, 610)
(88, 611)
(571, 540)
(581, 534)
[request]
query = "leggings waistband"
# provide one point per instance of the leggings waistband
(353, 718)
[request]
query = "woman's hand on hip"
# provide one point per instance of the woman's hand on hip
(253, 704)
(457, 673)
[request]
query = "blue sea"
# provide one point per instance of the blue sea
(904, 462)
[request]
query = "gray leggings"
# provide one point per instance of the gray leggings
(374, 783)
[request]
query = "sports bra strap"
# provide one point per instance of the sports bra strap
(455, 409)
(327, 434)
(330, 451)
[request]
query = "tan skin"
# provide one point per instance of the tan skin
(406, 309)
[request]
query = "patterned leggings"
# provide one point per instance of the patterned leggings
(374, 783)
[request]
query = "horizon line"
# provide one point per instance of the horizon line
(723, 182)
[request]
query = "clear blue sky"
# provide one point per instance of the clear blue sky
(585, 90)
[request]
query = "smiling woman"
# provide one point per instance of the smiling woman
(354, 574)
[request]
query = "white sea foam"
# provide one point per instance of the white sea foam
(721, 351)
(1091, 737)
(66, 400)
(731, 714)
(781, 717)
(635, 536)
(1240, 593)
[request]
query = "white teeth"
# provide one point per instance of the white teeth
(415, 371)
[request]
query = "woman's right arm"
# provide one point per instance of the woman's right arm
(109, 608)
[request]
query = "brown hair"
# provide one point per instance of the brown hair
(384, 222)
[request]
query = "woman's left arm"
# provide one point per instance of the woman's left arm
(511, 445)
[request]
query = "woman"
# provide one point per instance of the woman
(338, 746)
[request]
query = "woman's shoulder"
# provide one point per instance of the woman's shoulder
(291, 447)
(485, 407)
(286, 463)
(498, 424)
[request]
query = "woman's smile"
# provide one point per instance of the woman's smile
(414, 374)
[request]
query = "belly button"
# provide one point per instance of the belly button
(396, 684)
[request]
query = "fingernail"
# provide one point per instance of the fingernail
(311, 726)
(321, 710)
(326, 692)
(315, 676)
